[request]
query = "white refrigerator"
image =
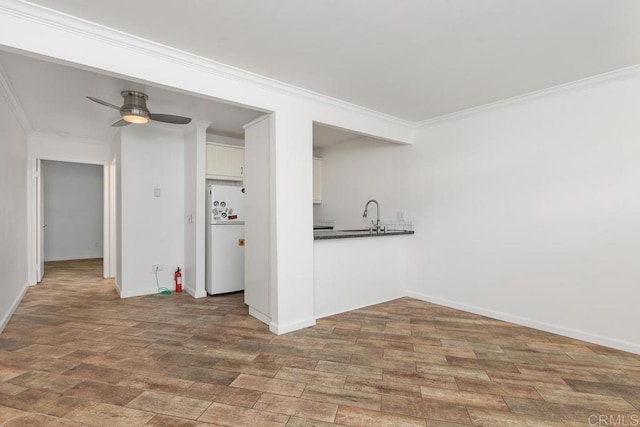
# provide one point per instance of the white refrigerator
(225, 239)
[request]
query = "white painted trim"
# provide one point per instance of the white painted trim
(259, 315)
(531, 323)
(236, 147)
(39, 191)
(382, 301)
(106, 221)
(117, 288)
(225, 140)
(519, 99)
(292, 326)
(139, 292)
(196, 294)
(14, 305)
(6, 91)
(72, 24)
(112, 247)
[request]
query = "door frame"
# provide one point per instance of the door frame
(39, 189)
(35, 220)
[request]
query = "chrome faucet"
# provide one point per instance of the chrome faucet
(375, 225)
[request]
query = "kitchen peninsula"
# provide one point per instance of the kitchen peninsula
(358, 268)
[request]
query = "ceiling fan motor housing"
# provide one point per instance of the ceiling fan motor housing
(135, 106)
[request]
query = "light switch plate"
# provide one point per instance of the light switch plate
(156, 192)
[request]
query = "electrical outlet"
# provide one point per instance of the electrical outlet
(156, 267)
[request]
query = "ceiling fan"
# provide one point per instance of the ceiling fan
(134, 110)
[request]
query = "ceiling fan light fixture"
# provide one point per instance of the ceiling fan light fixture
(135, 118)
(134, 109)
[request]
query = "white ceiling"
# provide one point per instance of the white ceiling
(413, 59)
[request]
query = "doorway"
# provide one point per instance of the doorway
(71, 212)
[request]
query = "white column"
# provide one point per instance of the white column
(292, 305)
(195, 139)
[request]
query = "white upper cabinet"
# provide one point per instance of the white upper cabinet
(225, 162)
(317, 180)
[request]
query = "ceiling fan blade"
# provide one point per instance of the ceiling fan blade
(105, 103)
(120, 123)
(170, 118)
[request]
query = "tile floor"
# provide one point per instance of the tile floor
(75, 354)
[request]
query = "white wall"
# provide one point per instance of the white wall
(356, 171)
(530, 212)
(78, 150)
(73, 210)
(151, 228)
(13, 211)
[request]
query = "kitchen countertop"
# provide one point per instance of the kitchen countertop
(349, 234)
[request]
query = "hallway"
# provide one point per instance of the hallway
(74, 354)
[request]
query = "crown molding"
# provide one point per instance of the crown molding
(84, 28)
(6, 91)
(527, 97)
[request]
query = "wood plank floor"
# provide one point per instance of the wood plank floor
(75, 354)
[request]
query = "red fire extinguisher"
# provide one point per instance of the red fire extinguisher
(178, 279)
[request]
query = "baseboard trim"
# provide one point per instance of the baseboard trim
(117, 288)
(196, 294)
(138, 292)
(279, 329)
(14, 305)
(536, 324)
(259, 315)
(369, 304)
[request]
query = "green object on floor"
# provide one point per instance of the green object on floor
(161, 291)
